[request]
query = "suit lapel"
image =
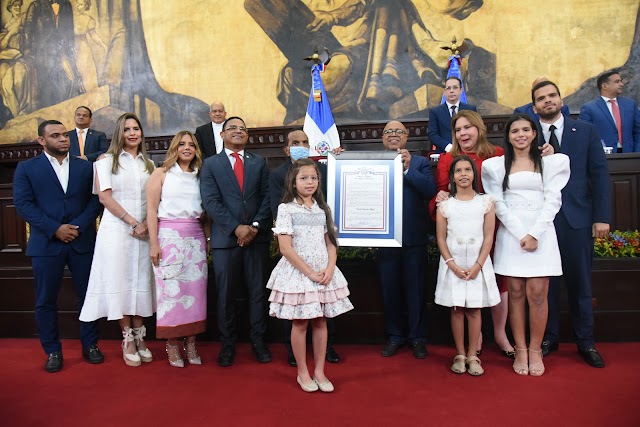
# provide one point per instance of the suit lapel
(48, 170)
(225, 163)
(568, 135)
(605, 110)
(249, 170)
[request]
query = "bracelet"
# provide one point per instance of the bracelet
(446, 261)
(123, 215)
(479, 265)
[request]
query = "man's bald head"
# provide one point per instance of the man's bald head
(217, 112)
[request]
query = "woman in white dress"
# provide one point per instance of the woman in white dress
(178, 248)
(120, 285)
(527, 190)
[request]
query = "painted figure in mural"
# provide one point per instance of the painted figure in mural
(49, 43)
(381, 44)
(90, 49)
(15, 73)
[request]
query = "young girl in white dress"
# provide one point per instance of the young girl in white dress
(466, 281)
(528, 194)
(306, 286)
(121, 282)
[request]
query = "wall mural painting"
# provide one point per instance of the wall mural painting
(387, 57)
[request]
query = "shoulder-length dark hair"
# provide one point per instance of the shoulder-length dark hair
(509, 155)
(117, 144)
(452, 168)
(289, 194)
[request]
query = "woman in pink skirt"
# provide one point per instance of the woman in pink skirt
(179, 248)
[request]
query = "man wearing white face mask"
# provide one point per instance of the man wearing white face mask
(298, 148)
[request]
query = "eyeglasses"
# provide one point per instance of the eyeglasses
(238, 128)
(394, 132)
(452, 88)
(305, 178)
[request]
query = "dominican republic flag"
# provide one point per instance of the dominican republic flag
(318, 123)
(454, 71)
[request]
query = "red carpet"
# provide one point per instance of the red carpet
(370, 390)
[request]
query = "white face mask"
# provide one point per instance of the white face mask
(297, 153)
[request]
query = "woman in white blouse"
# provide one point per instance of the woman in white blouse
(528, 192)
(178, 248)
(120, 285)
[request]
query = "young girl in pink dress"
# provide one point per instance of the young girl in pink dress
(306, 286)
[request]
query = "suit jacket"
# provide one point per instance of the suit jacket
(587, 196)
(439, 129)
(528, 110)
(418, 187)
(95, 143)
(227, 206)
(204, 135)
(276, 184)
(597, 113)
(41, 201)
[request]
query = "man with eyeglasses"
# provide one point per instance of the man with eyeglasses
(209, 134)
(402, 269)
(439, 129)
(234, 186)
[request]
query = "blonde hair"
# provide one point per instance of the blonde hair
(172, 152)
(484, 149)
(117, 144)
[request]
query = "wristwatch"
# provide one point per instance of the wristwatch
(256, 225)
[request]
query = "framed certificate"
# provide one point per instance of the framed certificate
(364, 191)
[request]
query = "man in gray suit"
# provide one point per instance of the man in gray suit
(234, 186)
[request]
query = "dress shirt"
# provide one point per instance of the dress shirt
(233, 159)
(217, 129)
(457, 105)
(559, 124)
(61, 170)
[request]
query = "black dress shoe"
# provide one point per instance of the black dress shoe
(226, 356)
(262, 353)
(54, 362)
(93, 354)
(389, 349)
(419, 350)
(332, 355)
(592, 357)
(548, 346)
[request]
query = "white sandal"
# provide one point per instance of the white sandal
(474, 366)
(459, 364)
(139, 334)
(129, 359)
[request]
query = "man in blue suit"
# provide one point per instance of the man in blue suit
(402, 269)
(585, 215)
(616, 117)
(52, 192)
(234, 186)
(439, 129)
(528, 108)
(86, 143)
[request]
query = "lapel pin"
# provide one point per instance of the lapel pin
(573, 129)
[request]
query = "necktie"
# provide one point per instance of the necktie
(453, 110)
(617, 117)
(553, 139)
(238, 169)
(81, 141)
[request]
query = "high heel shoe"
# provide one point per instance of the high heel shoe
(139, 334)
(192, 354)
(519, 367)
(173, 353)
(129, 359)
(536, 369)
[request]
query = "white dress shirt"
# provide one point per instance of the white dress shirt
(217, 129)
(61, 170)
(232, 159)
(559, 124)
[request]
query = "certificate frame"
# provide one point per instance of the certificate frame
(376, 179)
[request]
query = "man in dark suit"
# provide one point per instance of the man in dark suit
(86, 143)
(298, 148)
(585, 214)
(52, 192)
(235, 193)
(617, 118)
(439, 129)
(208, 135)
(402, 269)
(528, 108)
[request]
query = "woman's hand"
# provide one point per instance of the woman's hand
(315, 276)
(327, 275)
(529, 243)
(156, 255)
(473, 272)
(140, 231)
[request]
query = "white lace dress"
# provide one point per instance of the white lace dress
(465, 234)
(294, 295)
(529, 206)
(121, 279)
